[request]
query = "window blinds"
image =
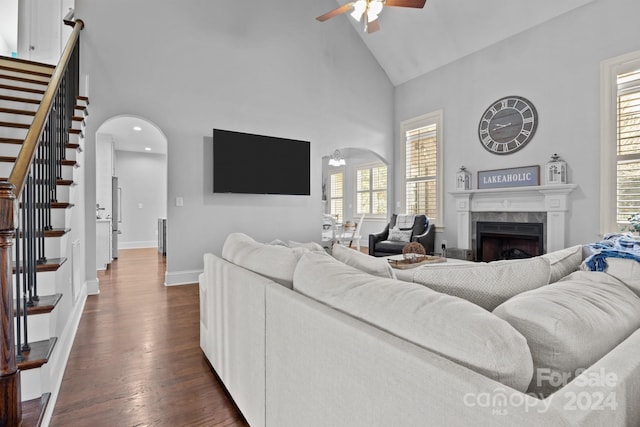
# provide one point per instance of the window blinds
(628, 146)
(421, 171)
(371, 190)
(337, 195)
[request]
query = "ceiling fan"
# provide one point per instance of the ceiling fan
(369, 10)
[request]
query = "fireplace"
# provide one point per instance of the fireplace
(553, 201)
(508, 240)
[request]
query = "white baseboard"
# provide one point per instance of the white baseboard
(60, 357)
(186, 277)
(93, 287)
(138, 245)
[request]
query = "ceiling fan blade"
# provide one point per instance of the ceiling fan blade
(335, 12)
(373, 26)
(406, 3)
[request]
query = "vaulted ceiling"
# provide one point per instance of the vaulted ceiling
(412, 42)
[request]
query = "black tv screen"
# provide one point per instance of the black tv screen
(257, 164)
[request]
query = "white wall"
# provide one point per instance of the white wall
(260, 67)
(143, 180)
(556, 66)
(8, 27)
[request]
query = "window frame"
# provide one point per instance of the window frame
(370, 167)
(334, 170)
(609, 71)
(437, 118)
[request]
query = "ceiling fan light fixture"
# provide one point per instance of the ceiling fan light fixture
(374, 9)
(359, 7)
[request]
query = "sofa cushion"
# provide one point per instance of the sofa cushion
(363, 262)
(275, 261)
(571, 324)
(398, 235)
(625, 270)
(448, 326)
(485, 284)
(564, 262)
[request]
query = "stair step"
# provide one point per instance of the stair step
(19, 99)
(22, 89)
(59, 181)
(56, 232)
(51, 264)
(76, 132)
(44, 305)
(58, 205)
(11, 159)
(33, 411)
(17, 111)
(22, 79)
(70, 146)
(61, 205)
(11, 140)
(27, 67)
(83, 98)
(38, 355)
(15, 125)
(82, 108)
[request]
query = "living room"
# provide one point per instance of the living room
(276, 71)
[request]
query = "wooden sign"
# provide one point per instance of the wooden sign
(525, 176)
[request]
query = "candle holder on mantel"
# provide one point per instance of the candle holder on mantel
(556, 170)
(463, 179)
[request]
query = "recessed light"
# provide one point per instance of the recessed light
(147, 148)
(137, 128)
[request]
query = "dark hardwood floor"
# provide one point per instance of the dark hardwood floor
(136, 359)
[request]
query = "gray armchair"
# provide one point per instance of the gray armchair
(422, 232)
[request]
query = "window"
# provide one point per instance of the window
(620, 141)
(422, 151)
(628, 147)
(336, 195)
(371, 190)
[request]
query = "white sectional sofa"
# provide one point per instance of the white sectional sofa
(301, 338)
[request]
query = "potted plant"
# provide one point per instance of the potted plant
(634, 224)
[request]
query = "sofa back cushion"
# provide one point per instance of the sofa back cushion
(448, 326)
(625, 270)
(363, 262)
(564, 262)
(485, 284)
(276, 262)
(571, 324)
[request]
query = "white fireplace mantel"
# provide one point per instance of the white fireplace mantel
(552, 199)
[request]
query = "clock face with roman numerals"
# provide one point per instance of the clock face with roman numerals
(508, 125)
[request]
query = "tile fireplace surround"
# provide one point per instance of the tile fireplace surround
(552, 199)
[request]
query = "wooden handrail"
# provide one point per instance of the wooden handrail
(28, 150)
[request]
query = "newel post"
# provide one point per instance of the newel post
(10, 401)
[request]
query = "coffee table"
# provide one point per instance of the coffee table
(406, 274)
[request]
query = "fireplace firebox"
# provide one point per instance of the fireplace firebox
(508, 240)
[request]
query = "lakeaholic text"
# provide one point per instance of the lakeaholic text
(515, 177)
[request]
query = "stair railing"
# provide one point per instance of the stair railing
(32, 182)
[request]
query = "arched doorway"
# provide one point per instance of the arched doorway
(131, 186)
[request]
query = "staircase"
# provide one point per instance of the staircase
(42, 119)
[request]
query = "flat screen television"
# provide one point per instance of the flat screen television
(258, 164)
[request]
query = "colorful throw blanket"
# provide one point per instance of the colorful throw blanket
(612, 246)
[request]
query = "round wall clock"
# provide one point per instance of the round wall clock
(508, 125)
